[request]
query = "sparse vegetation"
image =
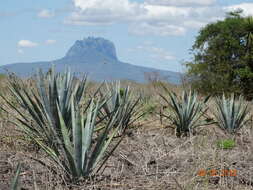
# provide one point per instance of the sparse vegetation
(226, 144)
(90, 147)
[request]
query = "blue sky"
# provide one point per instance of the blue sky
(152, 33)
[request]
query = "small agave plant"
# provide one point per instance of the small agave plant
(120, 99)
(51, 114)
(231, 113)
(186, 111)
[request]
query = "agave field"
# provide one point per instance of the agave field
(62, 132)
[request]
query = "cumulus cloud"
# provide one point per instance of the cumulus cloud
(49, 42)
(45, 13)
(90, 12)
(27, 43)
(151, 17)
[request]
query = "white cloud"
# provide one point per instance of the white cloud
(194, 24)
(182, 2)
(151, 17)
(246, 7)
(158, 29)
(27, 43)
(117, 7)
(20, 51)
(49, 42)
(155, 53)
(45, 13)
(101, 12)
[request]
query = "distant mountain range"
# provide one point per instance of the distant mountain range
(96, 57)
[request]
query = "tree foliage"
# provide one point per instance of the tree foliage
(223, 56)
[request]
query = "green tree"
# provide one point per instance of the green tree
(223, 56)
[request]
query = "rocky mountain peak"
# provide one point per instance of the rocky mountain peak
(93, 46)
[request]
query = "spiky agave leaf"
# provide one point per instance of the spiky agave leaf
(15, 180)
(231, 113)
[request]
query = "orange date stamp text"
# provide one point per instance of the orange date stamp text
(215, 172)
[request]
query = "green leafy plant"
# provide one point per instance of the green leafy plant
(231, 113)
(186, 111)
(120, 99)
(226, 144)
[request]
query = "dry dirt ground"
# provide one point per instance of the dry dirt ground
(150, 157)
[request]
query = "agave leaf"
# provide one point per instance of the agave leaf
(88, 133)
(81, 89)
(101, 144)
(42, 90)
(14, 184)
(68, 149)
(77, 138)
